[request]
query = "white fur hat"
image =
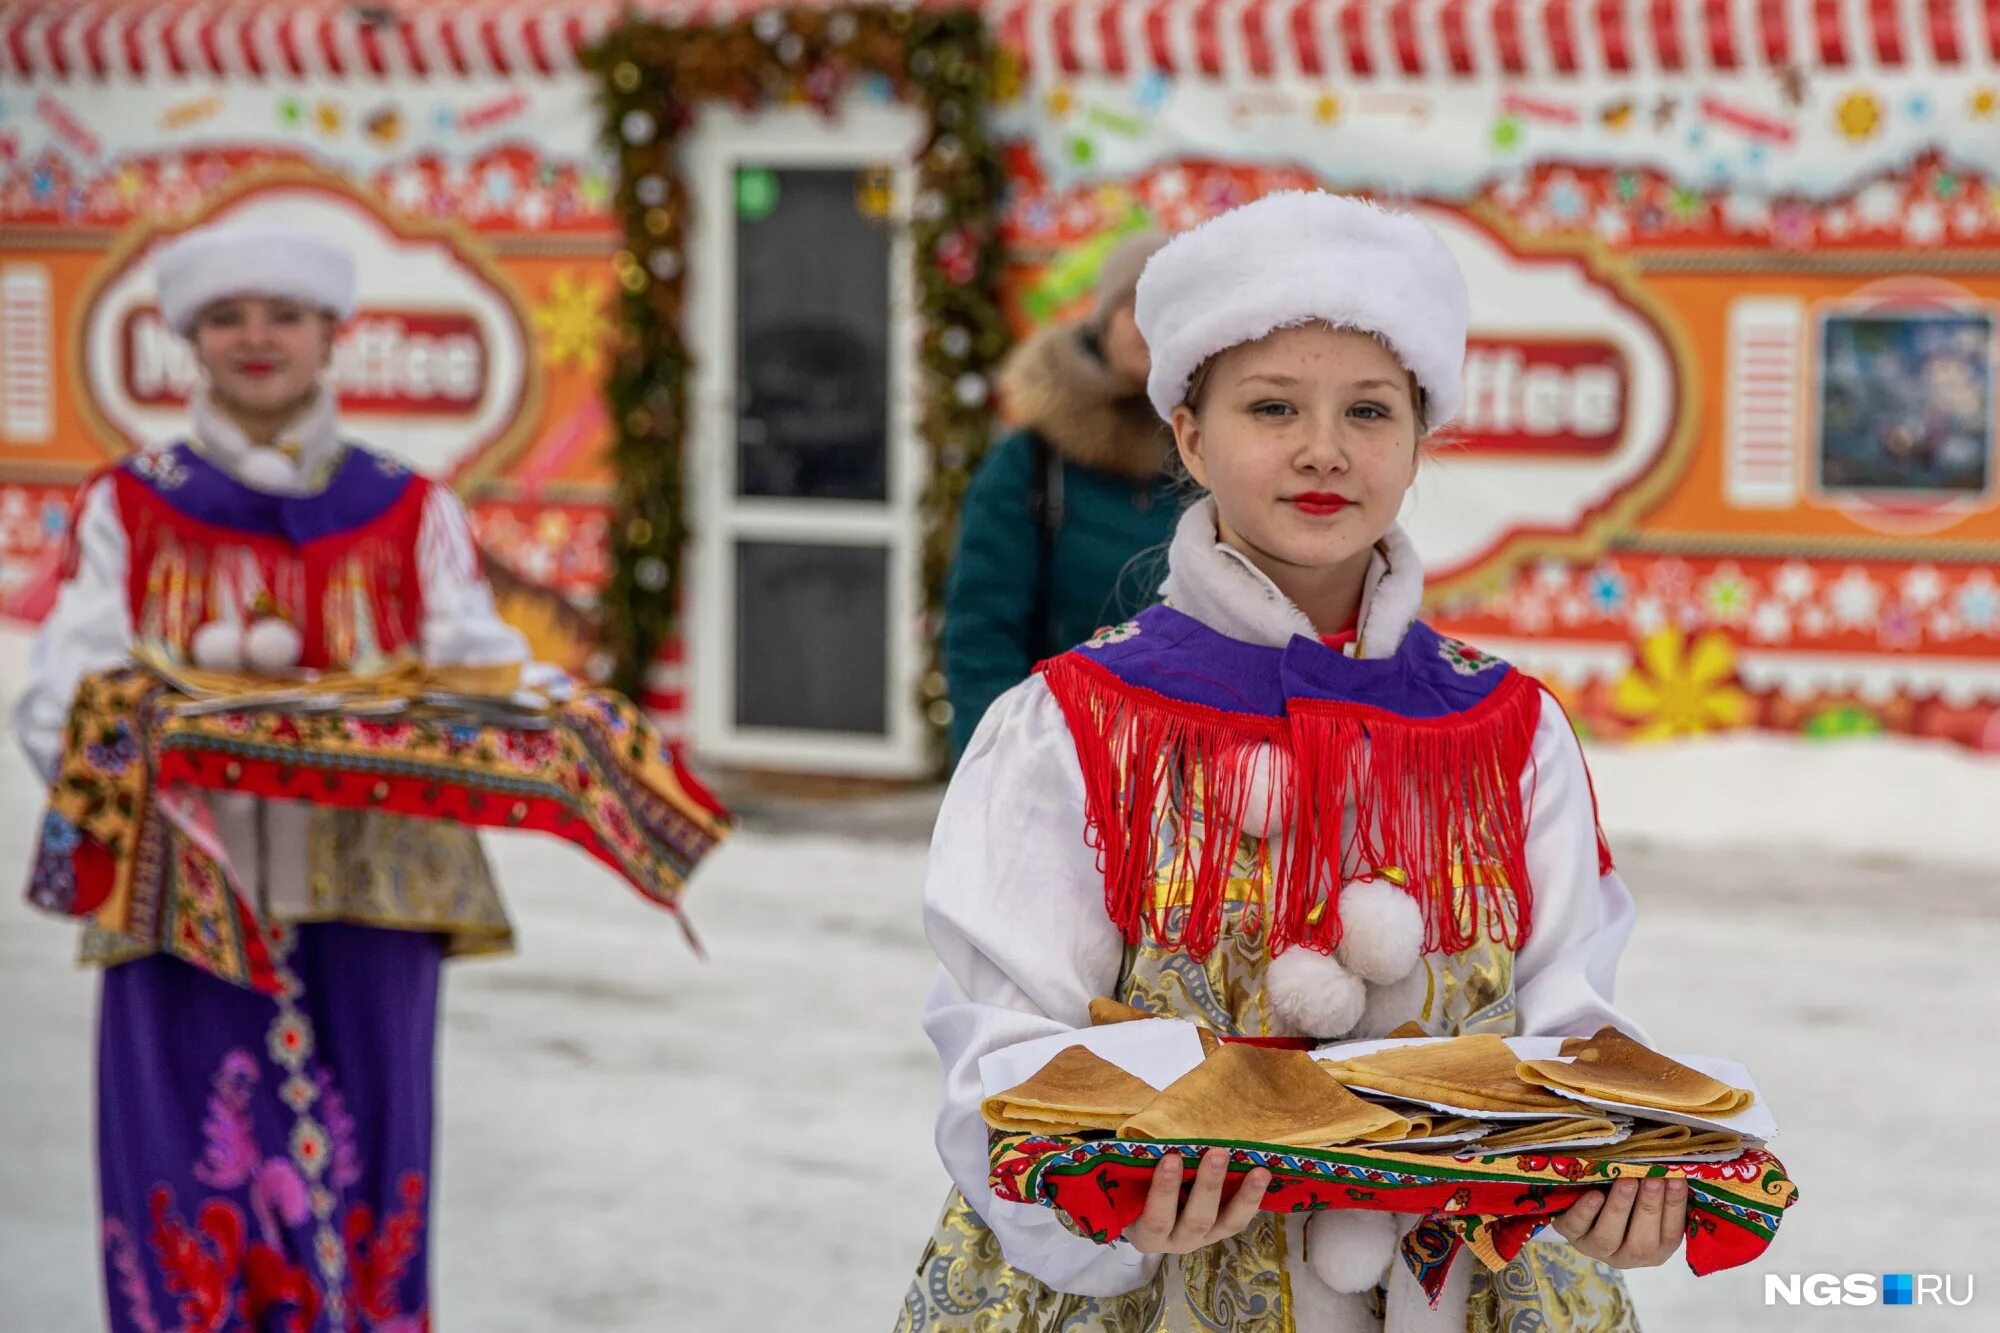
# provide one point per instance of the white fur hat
(1295, 257)
(212, 262)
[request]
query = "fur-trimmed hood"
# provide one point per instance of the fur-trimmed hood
(1062, 390)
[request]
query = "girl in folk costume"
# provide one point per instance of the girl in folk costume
(1278, 805)
(266, 1161)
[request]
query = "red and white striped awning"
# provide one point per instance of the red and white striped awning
(1402, 40)
(314, 41)
(1335, 40)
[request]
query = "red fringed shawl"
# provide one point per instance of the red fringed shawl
(1407, 768)
(341, 565)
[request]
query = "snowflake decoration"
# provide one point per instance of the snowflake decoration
(1608, 590)
(1727, 596)
(571, 323)
(1795, 582)
(1979, 602)
(1771, 622)
(1855, 598)
(1922, 588)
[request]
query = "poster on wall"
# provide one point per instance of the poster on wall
(1728, 453)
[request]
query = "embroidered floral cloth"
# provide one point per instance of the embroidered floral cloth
(1490, 1205)
(124, 841)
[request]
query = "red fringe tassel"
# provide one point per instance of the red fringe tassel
(380, 557)
(1438, 800)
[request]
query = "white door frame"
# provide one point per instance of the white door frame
(864, 135)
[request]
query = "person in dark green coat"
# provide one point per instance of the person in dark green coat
(1066, 524)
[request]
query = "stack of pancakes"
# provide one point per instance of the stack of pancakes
(1466, 1094)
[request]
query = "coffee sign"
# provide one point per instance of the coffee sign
(435, 365)
(1571, 417)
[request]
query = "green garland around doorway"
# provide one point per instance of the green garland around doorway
(654, 79)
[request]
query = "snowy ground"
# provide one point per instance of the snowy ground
(634, 1140)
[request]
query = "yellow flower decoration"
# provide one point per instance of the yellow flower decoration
(1985, 103)
(1678, 689)
(570, 324)
(1859, 116)
(1326, 109)
(1059, 102)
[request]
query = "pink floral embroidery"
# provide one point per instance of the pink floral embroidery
(279, 1198)
(231, 1153)
(345, 1171)
(131, 1278)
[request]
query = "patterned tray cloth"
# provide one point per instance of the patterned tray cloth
(120, 843)
(1488, 1204)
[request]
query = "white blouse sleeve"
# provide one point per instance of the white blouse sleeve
(461, 626)
(1014, 906)
(1564, 974)
(89, 630)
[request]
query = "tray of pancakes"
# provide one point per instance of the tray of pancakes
(1603, 1097)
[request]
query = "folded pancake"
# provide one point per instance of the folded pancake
(1261, 1095)
(1428, 1124)
(1076, 1091)
(1104, 1012)
(1473, 1073)
(1665, 1143)
(1548, 1133)
(1613, 1067)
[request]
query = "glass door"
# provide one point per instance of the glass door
(802, 629)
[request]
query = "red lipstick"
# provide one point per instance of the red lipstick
(1320, 503)
(256, 367)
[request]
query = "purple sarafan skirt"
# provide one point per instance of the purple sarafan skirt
(265, 1163)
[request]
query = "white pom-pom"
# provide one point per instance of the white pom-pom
(1381, 931)
(218, 646)
(1312, 994)
(272, 645)
(267, 470)
(1267, 772)
(1350, 1249)
(1399, 1002)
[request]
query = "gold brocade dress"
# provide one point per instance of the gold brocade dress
(1240, 1285)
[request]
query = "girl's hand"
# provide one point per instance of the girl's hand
(1168, 1227)
(1633, 1224)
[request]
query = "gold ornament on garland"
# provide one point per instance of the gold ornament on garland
(652, 80)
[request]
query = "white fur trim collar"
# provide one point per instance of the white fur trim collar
(1217, 585)
(314, 436)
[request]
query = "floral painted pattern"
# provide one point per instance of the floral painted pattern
(1464, 658)
(1111, 634)
(165, 468)
(591, 770)
(233, 1264)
